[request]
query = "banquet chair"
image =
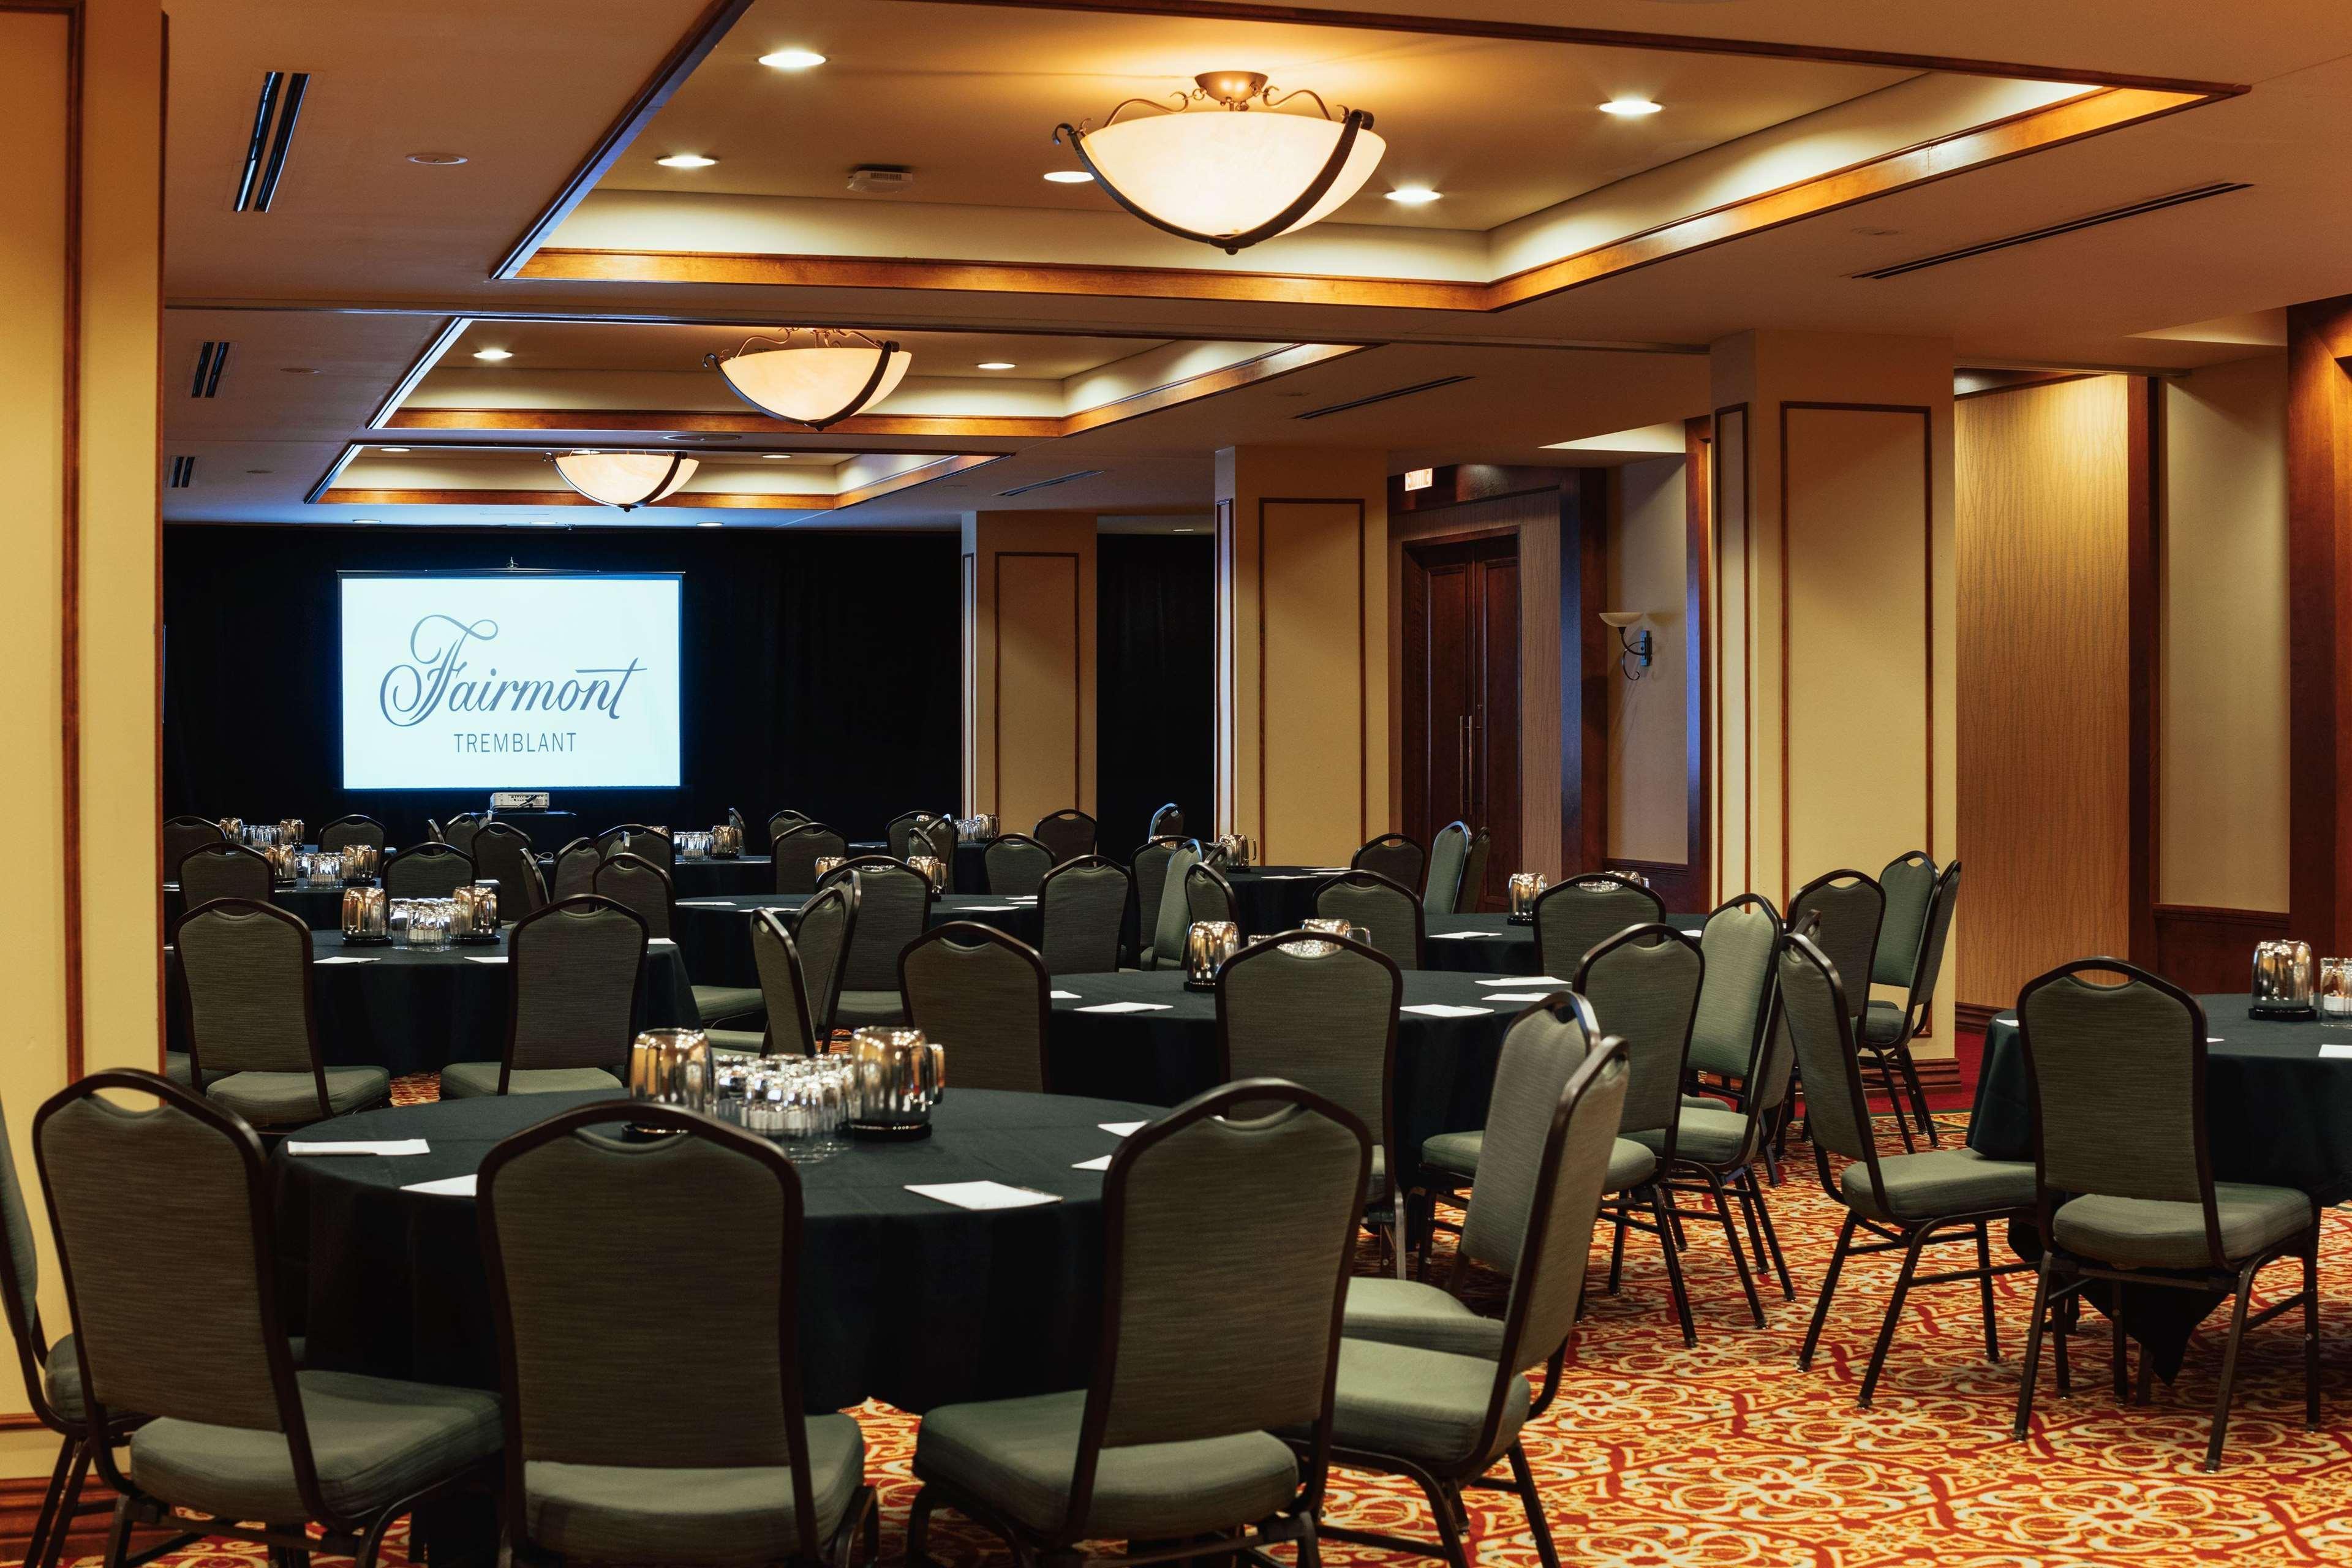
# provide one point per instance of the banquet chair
(1068, 833)
(635, 838)
(1170, 914)
(642, 888)
(1149, 869)
(433, 832)
(1167, 822)
(1889, 1028)
(427, 870)
(224, 870)
(534, 884)
(615, 1452)
(783, 987)
(459, 834)
(1442, 1409)
(1473, 875)
(235, 1433)
(941, 832)
(1847, 908)
(783, 822)
(822, 930)
(1908, 881)
(182, 833)
(1449, 856)
(1227, 1231)
(1399, 858)
(1207, 897)
(1388, 909)
(245, 980)
(346, 831)
(735, 819)
(894, 905)
(984, 994)
(1327, 1021)
(1016, 864)
(798, 851)
(501, 850)
(900, 830)
(1900, 1203)
(1739, 939)
(1081, 905)
(575, 869)
(1575, 916)
(573, 973)
(2123, 1174)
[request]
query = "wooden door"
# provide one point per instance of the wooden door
(1461, 696)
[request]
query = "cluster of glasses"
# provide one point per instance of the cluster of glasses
(975, 829)
(425, 924)
(263, 835)
(693, 846)
(318, 867)
(803, 1104)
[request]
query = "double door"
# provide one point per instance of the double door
(1462, 697)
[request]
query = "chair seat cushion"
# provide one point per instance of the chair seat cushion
(376, 1440)
(470, 1080)
(1630, 1165)
(280, 1099)
(628, 1514)
(1017, 1453)
(1712, 1135)
(1725, 1059)
(2151, 1233)
(858, 1009)
(1935, 1183)
(717, 1003)
(1882, 1025)
(62, 1379)
(1454, 1151)
(746, 1042)
(1408, 1312)
(1423, 1404)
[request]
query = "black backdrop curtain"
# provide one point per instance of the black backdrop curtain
(821, 671)
(1155, 683)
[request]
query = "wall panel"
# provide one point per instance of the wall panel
(1735, 713)
(1312, 754)
(1038, 677)
(1649, 796)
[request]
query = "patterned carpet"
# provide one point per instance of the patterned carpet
(1727, 1456)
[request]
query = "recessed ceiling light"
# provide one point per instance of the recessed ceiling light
(493, 355)
(776, 456)
(437, 159)
(995, 364)
(1183, 530)
(1413, 195)
(686, 161)
(1070, 176)
(392, 449)
(1630, 108)
(791, 59)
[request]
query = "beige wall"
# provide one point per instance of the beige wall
(2221, 795)
(1029, 664)
(1649, 798)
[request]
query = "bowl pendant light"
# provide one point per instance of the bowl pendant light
(813, 376)
(625, 480)
(1232, 178)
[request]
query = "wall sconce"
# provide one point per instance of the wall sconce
(1637, 649)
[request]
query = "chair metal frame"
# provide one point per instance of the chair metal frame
(971, 933)
(525, 927)
(1161, 828)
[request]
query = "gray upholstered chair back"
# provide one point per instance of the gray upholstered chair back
(798, 851)
(1932, 941)
(247, 968)
(1167, 822)
(1388, 909)
(822, 930)
(1326, 1022)
(222, 870)
(2116, 1074)
(183, 1181)
(894, 905)
(939, 832)
(459, 834)
(182, 833)
(981, 995)
(1908, 883)
(1644, 984)
(572, 972)
(1149, 871)
(1542, 1051)
(1081, 905)
(427, 870)
(1172, 915)
(640, 887)
(1473, 875)
(1202, 1211)
(1393, 856)
(599, 1250)
(783, 822)
(784, 986)
(900, 832)
(1738, 940)
(1851, 907)
(346, 831)
(22, 1262)
(1575, 916)
(647, 844)
(501, 850)
(1548, 1283)
(1068, 833)
(575, 869)
(1821, 1035)
(1207, 897)
(1449, 852)
(1016, 863)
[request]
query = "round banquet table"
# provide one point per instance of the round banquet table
(1444, 1066)
(717, 878)
(412, 1011)
(320, 908)
(902, 1298)
(715, 934)
(1270, 898)
(1491, 944)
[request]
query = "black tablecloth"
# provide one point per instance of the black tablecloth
(411, 1012)
(715, 934)
(320, 908)
(903, 1298)
(1444, 1067)
(719, 879)
(1271, 899)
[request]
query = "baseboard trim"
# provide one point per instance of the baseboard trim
(1975, 1015)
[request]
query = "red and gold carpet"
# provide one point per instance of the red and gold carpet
(1727, 1456)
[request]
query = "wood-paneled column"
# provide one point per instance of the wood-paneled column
(1029, 664)
(2319, 621)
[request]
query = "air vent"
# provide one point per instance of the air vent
(1380, 397)
(2049, 231)
(182, 472)
(211, 360)
(273, 133)
(1056, 480)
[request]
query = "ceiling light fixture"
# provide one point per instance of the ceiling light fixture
(708, 525)
(1232, 179)
(793, 59)
(1070, 176)
(1413, 195)
(437, 159)
(995, 364)
(686, 161)
(402, 450)
(624, 479)
(1630, 108)
(814, 376)
(493, 355)
(777, 456)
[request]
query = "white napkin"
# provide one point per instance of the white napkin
(1445, 1010)
(1063, 996)
(1128, 1007)
(1121, 1129)
(345, 958)
(1525, 980)
(486, 957)
(389, 1146)
(1516, 995)
(1099, 1162)
(2332, 1050)
(983, 1194)
(446, 1187)
(984, 909)
(1457, 935)
(661, 941)
(706, 904)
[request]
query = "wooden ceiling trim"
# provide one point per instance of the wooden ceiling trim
(711, 500)
(683, 421)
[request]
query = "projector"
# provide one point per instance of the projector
(519, 800)
(881, 179)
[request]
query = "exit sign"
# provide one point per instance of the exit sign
(1419, 479)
